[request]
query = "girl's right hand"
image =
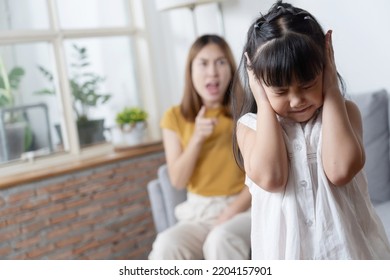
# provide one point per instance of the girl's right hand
(255, 85)
(204, 127)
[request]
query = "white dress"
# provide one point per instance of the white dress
(312, 219)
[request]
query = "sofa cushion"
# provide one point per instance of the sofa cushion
(374, 108)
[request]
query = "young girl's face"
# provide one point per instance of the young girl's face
(211, 74)
(297, 102)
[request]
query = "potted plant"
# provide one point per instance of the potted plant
(129, 117)
(9, 82)
(132, 123)
(15, 135)
(87, 94)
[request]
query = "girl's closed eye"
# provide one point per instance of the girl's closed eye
(308, 85)
(279, 91)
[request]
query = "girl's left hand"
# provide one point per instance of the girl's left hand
(330, 80)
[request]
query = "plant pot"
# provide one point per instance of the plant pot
(134, 134)
(15, 141)
(90, 132)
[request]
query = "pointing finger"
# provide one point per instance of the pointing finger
(202, 112)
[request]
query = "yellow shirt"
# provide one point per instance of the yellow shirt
(216, 172)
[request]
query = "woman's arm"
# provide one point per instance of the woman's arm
(342, 146)
(264, 151)
(181, 162)
(239, 205)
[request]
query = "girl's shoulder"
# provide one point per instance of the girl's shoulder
(354, 115)
(353, 110)
(249, 120)
(350, 105)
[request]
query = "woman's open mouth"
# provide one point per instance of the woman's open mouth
(212, 87)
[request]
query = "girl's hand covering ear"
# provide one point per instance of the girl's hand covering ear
(255, 85)
(330, 81)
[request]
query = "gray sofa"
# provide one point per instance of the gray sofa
(163, 199)
(374, 108)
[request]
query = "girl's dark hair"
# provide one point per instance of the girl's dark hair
(287, 44)
(191, 101)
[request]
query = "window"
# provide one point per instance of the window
(67, 67)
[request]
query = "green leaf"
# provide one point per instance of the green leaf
(45, 91)
(15, 77)
(4, 101)
(46, 73)
(131, 115)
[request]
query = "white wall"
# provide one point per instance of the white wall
(360, 35)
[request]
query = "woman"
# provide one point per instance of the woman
(214, 222)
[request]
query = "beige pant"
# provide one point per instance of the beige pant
(194, 236)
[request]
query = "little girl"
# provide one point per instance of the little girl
(300, 144)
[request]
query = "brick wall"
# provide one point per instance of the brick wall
(99, 213)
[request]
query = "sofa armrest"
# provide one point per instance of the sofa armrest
(157, 205)
(171, 195)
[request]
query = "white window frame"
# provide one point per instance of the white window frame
(56, 36)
